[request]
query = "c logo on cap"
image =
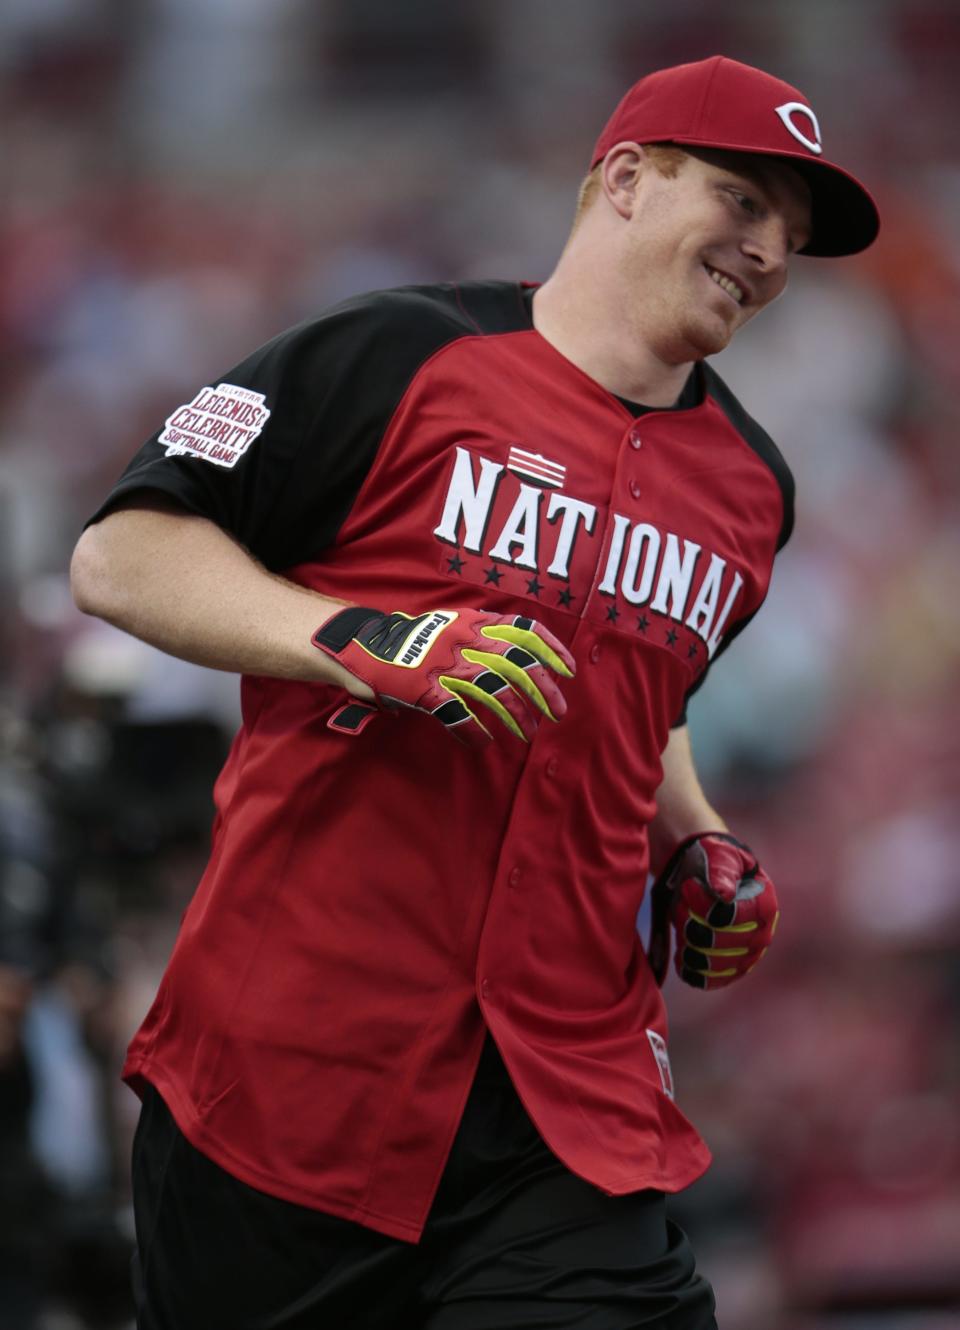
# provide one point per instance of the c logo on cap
(789, 109)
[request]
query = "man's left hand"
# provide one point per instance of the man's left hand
(721, 905)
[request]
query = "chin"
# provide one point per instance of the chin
(702, 339)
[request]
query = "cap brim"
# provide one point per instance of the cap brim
(844, 218)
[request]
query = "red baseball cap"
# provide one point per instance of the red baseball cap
(721, 103)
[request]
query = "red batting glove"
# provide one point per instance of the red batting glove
(455, 665)
(722, 906)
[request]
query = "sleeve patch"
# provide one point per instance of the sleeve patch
(219, 425)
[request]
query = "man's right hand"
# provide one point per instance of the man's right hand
(456, 665)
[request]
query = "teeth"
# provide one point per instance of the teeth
(728, 284)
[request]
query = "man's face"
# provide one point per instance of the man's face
(707, 249)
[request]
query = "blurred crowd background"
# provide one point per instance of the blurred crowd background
(184, 178)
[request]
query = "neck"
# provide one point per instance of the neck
(583, 319)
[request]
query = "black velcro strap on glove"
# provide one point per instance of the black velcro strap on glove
(343, 627)
(352, 718)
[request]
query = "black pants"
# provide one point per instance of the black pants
(513, 1240)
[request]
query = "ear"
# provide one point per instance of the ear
(620, 174)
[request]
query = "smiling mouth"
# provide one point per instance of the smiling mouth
(726, 283)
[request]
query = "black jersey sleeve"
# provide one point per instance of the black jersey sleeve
(760, 441)
(275, 450)
(757, 438)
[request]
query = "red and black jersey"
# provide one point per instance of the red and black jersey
(372, 901)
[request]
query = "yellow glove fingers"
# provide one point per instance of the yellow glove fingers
(532, 642)
(513, 674)
(473, 740)
(729, 928)
(463, 688)
(721, 951)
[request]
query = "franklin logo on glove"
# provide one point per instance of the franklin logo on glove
(421, 641)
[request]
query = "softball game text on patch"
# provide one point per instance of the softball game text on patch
(219, 425)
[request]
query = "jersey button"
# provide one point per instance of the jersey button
(635, 439)
(595, 653)
(635, 488)
(553, 766)
(514, 880)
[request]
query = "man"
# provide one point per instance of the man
(408, 1064)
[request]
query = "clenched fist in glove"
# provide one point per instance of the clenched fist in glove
(456, 665)
(722, 906)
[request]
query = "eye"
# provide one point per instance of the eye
(746, 202)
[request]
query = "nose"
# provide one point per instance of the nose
(767, 244)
